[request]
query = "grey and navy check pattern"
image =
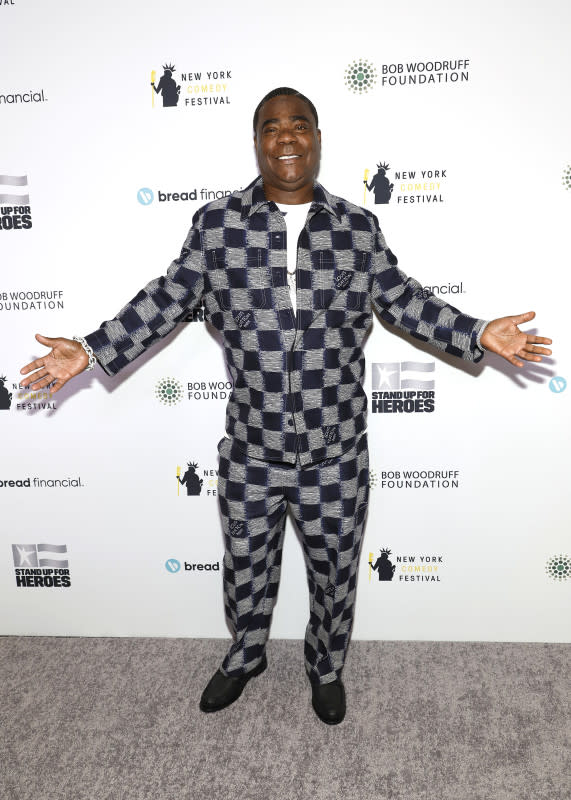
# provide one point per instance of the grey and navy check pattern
(329, 504)
(298, 391)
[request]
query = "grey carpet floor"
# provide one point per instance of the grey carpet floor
(118, 719)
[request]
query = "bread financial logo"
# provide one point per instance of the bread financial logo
(29, 96)
(190, 90)
(41, 566)
(403, 387)
(557, 384)
(145, 196)
(360, 76)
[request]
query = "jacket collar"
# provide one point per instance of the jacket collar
(254, 198)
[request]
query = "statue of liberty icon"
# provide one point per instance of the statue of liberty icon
(167, 86)
(380, 184)
(383, 566)
(5, 395)
(190, 479)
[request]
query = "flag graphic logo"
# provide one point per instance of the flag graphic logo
(14, 190)
(34, 556)
(399, 375)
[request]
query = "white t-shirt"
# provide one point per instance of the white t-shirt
(295, 217)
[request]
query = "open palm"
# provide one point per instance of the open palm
(66, 359)
(503, 337)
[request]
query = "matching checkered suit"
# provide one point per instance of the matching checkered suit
(296, 418)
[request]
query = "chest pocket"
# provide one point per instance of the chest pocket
(347, 275)
(240, 283)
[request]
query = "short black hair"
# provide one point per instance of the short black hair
(284, 90)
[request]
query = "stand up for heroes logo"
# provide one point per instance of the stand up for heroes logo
(41, 566)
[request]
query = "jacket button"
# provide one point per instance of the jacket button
(290, 422)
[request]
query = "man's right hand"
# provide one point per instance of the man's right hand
(66, 360)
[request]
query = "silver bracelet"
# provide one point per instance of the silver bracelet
(88, 350)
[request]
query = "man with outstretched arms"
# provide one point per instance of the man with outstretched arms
(289, 274)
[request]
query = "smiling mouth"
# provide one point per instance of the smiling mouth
(287, 158)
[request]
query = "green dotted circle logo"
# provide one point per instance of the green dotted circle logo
(372, 478)
(169, 391)
(360, 76)
(559, 568)
(567, 177)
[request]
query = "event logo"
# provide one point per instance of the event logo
(32, 300)
(420, 479)
(408, 185)
(173, 566)
(384, 568)
(402, 387)
(557, 384)
(205, 88)
(15, 212)
(406, 569)
(380, 184)
(5, 395)
(190, 479)
(31, 96)
(567, 177)
(194, 483)
(445, 288)
(559, 568)
(426, 73)
(20, 399)
(372, 478)
(360, 76)
(145, 196)
(42, 483)
(41, 565)
(169, 391)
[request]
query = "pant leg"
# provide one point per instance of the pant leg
(330, 505)
(253, 522)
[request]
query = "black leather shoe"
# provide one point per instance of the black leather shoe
(328, 701)
(222, 690)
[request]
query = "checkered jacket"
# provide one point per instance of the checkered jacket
(298, 379)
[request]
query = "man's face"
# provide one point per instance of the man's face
(288, 147)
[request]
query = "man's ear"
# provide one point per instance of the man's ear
(319, 136)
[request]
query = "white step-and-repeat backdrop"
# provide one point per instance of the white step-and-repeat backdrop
(458, 116)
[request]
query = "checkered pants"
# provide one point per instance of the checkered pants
(329, 504)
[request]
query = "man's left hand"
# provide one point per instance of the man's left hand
(502, 336)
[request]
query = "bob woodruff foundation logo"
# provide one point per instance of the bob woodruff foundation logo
(360, 76)
(169, 391)
(559, 568)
